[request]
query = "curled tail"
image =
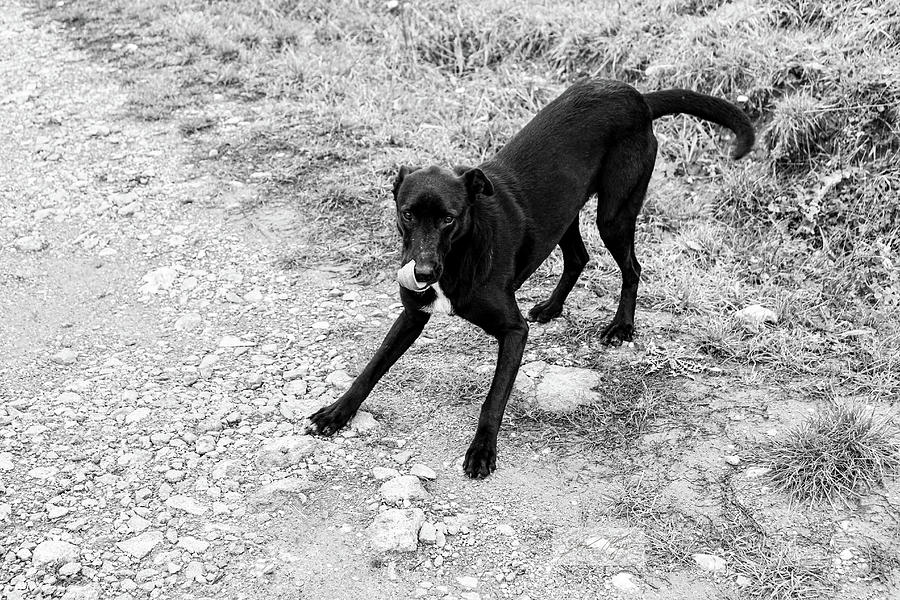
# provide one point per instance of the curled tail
(709, 108)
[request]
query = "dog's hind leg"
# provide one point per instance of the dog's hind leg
(403, 333)
(624, 187)
(575, 256)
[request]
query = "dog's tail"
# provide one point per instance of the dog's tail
(709, 108)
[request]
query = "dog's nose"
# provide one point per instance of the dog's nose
(425, 273)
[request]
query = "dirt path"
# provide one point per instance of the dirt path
(156, 364)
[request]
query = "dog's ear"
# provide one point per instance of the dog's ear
(401, 175)
(478, 183)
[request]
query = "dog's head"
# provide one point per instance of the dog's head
(434, 210)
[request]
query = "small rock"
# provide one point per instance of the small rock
(56, 512)
(142, 544)
(423, 472)
(90, 591)
(363, 422)
(29, 243)
(428, 533)
(467, 582)
(204, 445)
(5, 511)
(709, 562)
(230, 341)
(846, 555)
(193, 545)
(403, 456)
(138, 523)
(624, 582)
(174, 475)
(742, 581)
(506, 529)
(382, 473)
(339, 379)
(754, 317)
(136, 415)
(194, 572)
(185, 503)
(158, 280)
(188, 322)
(6, 461)
(287, 487)
(66, 356)
(397, 529)
(69, 569)
(733, 460)
(54, 552)
(295, 387)
(405, 487)
(253, 296)
(287, 450)
(756, 472)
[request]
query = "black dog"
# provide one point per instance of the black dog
(476, 234)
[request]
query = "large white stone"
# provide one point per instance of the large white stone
(397, 529)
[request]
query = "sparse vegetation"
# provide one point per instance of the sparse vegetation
(838, 454)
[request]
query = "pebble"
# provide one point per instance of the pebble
(29, 243)
(382, 473)
(363, 422)
(733, 460)
(709, 562)
(142, 544)
(204, 444)
(403, 488)
(340, 379)
(66, 356)
(188, 322)
(403, 456)
(756, 472)
(742, 581)
(186, 504)
(90, 591)
(54, 552)
(423, 472)
(6, 461)
(846, 555)
(396, 529)
(193, 545)
(624, 582)
(755, 316)
(136, 415)
(467, 582)
(428, 533)
(69, 569)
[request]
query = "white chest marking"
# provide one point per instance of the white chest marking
(441, 304)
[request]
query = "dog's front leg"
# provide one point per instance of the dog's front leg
(403, 333)
(481, 458)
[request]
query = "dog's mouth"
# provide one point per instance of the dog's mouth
(406, 277)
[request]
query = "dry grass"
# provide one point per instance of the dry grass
(839, 454)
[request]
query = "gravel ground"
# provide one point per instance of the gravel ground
(157, 368)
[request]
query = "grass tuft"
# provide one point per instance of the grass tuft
(840, 453)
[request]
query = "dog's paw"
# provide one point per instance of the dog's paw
(543, 312)
(481, 459)
(617, 332)
(328, 420)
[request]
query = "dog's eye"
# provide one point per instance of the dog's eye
(448, 220)
(407, 216)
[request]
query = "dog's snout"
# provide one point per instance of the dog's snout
(425, 273)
